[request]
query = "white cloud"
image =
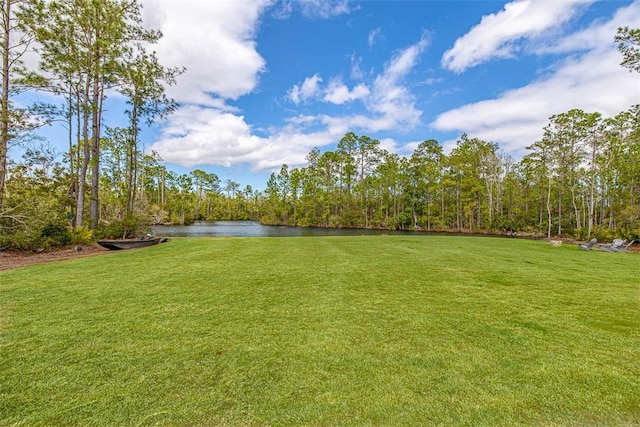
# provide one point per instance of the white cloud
(594, 82)
(198, 135)
(324, 8)
(595, 36)
(214, 41)
(207, 136)
(356, 71)
(390, 98)
(307, 90)
(374, 35)
(496, 35)
(390, 103)
(338, 93)
(313, 8)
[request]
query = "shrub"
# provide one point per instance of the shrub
(21, 239)
(603, 234)
(55, 235)
(81, 235)
(126, 228)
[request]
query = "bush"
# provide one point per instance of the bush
(580, 233)
(55, 235)
(20, 240)
(126, 228)
(269, 219)
(81, 235)
(603, 234)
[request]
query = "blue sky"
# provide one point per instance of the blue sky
(268, 80)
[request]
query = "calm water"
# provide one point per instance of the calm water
(254, 229)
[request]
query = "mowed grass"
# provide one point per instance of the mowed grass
(364, 330)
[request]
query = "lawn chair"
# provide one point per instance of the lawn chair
(623, 247)
(613, 246)
(588, 246)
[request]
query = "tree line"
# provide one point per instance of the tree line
(580, 179)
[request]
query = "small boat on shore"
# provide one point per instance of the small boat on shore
(118, 244)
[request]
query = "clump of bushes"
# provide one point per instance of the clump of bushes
(37, 239)
(126, 228)
(55, 235)
(82, 235)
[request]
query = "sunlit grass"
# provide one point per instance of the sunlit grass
(376, 330)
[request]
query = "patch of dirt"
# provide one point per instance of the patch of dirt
(9, 260)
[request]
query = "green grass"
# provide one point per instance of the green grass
(369, 330)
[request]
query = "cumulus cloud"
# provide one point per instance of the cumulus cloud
(309, 88)
(224, 65)
(496, 36)
(207, 136)
(189, 138)
(591, 80)
(338, 93)
(224, 62)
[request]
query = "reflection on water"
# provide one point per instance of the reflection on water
(255, 229)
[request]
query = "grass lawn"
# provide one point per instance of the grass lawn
(364, 330)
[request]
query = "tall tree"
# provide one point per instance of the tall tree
(468, 163)
(143, 80)
(427, 169)
(15, 44)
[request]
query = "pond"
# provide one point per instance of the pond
(255, 229)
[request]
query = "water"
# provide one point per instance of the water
(255, 229)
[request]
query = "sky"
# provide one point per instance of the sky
(266, 81)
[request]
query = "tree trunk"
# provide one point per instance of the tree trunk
(560, 208)
(549, 209)
(73, 187)
(86, 152)
(4, 114)
(132, 167)
(94, 206)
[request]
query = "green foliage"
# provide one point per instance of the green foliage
(269, 220)
(55, 235)
(603, 234)
(19, 239)
(580, 177)
(129, 227)
(81, 235)
(628, 40)
(405, 219)
(31, 239)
